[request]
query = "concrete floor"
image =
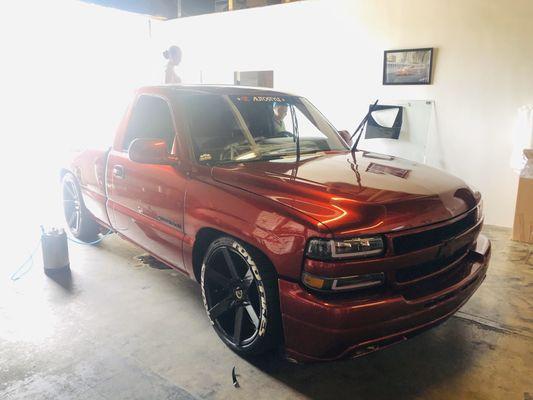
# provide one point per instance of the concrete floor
(119, 329)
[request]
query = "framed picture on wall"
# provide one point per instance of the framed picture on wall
(408, 66)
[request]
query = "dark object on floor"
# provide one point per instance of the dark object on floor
(152, 262)
(55, 250)
(234, 378)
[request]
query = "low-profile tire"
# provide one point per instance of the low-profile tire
(240, 293)
(79, 221)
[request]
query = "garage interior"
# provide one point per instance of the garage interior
(120, 325)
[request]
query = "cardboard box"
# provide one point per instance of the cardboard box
(523, 218)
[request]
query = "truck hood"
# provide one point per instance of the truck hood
(355, 193)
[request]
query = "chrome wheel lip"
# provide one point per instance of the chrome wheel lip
(238, 299)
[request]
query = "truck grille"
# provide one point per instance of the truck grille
(416, 241)
(438, 283)
(421, 270)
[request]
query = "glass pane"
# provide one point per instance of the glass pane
(253, 128)
(150, 119)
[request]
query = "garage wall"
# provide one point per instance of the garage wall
(68, 71)
(331, 51)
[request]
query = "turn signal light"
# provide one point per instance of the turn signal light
(363, 281)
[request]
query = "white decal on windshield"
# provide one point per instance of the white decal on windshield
(269, 99)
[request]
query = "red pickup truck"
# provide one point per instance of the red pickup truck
(296, 240)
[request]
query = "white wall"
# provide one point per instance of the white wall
(331, 51)
(67, 71)
(70, 68)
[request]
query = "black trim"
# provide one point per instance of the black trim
(431, 237)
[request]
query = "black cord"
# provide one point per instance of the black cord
(361, 126)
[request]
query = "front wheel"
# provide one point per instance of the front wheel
(240, 293)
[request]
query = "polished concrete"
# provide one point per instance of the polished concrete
(116, 328)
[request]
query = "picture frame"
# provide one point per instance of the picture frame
(408, 66)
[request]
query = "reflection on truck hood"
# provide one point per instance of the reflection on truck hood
(355, 193)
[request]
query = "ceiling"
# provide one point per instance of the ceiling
(168, 9)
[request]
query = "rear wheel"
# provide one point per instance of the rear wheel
(79, 221)
(240, 293)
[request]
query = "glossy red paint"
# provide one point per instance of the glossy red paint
(325, 328)
(150, 151)
(277, 207)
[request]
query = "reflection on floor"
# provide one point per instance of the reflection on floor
(117, 329)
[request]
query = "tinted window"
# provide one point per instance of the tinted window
(213, 124)
(242, 128)
(150, 119)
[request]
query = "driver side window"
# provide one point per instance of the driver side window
(150, 119)
(213, 127)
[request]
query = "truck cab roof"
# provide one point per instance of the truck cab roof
(212, 89)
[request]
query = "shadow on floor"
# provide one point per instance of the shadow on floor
(406, 370)
(63, 277)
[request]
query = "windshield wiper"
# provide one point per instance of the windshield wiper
(361, 126)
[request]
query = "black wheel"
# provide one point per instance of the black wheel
(239, 288)
(79, 221)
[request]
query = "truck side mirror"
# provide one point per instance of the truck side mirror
(346, 136)
(150, 151)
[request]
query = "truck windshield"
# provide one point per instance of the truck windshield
(245, 128)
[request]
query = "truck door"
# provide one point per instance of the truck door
(145, 202)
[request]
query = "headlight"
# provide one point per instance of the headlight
(363, 281)
(327, 249)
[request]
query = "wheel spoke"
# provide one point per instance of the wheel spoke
(217, 277)
(248, 279)
(78, 218)
(72, 219)
(70, 189)
(253, 315)
(229, 262)
(238, 326)
(223, 306)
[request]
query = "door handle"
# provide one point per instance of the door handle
(118, 171)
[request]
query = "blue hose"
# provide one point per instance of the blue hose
(110, 232)
(21, 270)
